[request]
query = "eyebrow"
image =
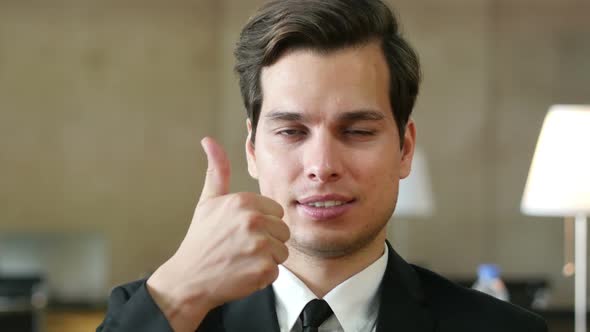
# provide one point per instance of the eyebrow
(361, 115)
(349, 116)
(284, 116)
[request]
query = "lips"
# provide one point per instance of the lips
(325, 198)
(326, 204)
(324, 207)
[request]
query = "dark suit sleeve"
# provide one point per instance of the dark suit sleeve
(541, 324)
(131, 308)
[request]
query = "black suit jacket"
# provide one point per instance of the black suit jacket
(412, 299)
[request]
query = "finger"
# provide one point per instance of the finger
(271, 273)
(279, 251)
(267, 206)
(257, 271)
(277, 228)
(218, 170)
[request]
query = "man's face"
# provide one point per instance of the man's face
(327, 148)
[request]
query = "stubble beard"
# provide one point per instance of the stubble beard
(328, 248)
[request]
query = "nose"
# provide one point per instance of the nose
(323, 159)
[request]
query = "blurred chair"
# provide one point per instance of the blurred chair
(22, 304)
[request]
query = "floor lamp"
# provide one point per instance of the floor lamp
(414, 200)
(558, 183)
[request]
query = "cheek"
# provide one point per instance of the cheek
(382, 194)
(377, 166)
(274, 163)
(381, 178)
(276, 171)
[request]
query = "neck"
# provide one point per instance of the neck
(322, 274)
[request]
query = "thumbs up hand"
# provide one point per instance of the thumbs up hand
(232, 249)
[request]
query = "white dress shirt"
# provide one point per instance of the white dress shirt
(355, 302)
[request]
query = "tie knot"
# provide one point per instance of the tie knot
(315, 313)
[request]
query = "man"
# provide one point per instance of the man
(329, 86)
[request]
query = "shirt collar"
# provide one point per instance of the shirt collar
(354, 301)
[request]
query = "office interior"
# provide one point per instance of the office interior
(103, 105)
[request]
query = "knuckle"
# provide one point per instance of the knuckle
(269, 270)
(265, 272)
(259, 245)
(253, 221)
(240, 200)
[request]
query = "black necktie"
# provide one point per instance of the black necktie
(314, 314)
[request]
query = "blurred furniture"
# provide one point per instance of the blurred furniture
(558, 183)
(22, 304)
(559, 320)
(73, 319)
(533, 294)
(529, 293)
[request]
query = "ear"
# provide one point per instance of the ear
(407, 153)
(251, 152)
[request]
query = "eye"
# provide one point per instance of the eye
(290, 132)
(359, 132)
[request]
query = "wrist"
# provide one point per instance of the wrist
(184, 307)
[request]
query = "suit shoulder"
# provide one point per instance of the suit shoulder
(456, 307)
(125, 291)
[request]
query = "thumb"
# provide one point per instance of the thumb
(218, 170)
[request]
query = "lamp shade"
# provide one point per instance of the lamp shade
(558, 183)
(415, 192)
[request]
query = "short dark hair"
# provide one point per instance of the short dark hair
(325, 26)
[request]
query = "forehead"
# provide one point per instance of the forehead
(343, 80)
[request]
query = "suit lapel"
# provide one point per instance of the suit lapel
(253, 313)
(403, 305)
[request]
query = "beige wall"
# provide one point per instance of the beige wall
(102, 110)
(102, 106)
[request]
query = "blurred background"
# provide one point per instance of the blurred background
(103, 105)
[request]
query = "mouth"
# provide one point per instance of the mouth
(324, 207)
(326, 204)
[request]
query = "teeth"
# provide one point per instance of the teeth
(326, 204)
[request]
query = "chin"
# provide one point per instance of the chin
(331, 245)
